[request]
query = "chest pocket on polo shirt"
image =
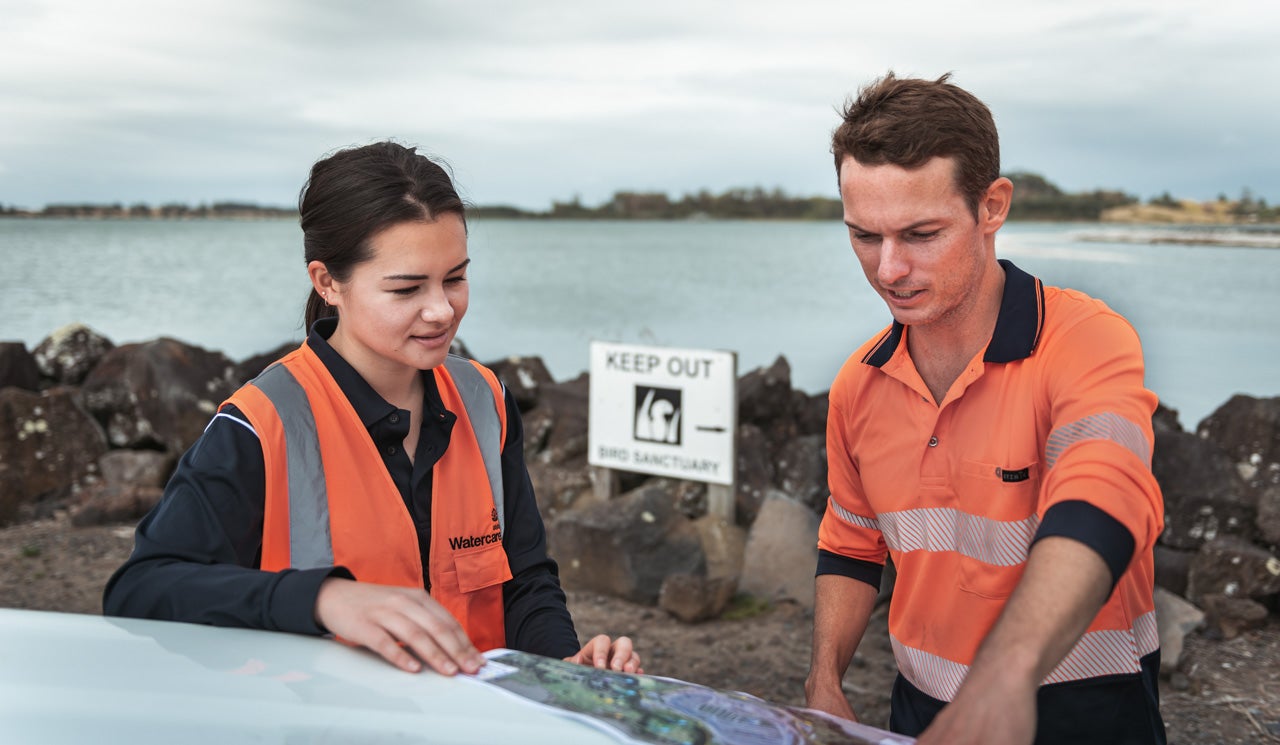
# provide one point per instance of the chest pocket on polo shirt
(478, 568)
(998, 521)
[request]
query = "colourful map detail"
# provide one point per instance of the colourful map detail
(664, 711)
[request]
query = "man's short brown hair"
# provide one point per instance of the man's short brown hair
(908, 121)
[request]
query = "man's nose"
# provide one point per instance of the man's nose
(894, 265)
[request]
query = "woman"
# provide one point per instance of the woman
(367, 485)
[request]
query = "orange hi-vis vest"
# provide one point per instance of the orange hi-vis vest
(331, 502)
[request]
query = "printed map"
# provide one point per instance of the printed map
(649, 709)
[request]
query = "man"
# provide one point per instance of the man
(995, 441)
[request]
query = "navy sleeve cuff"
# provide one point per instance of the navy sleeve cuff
(1090, 525)
(863, 571)
(293, 600)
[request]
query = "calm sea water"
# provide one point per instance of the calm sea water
(1209, 317)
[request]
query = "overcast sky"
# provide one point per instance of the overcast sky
(140, 100)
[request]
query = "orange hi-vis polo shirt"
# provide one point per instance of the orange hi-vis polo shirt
(1046, 432)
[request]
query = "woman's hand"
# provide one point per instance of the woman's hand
(606, 654)
(393, 620)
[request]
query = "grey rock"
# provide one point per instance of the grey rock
(1175, 618)
(1204, 497)
(694, 597)
(802, 471)
(812, 414)
(18, 367)
(1172, 566)
(766, 400)
(1231, 567)
(755, 473)
(49, 445)
(1269, 515)
(627, 546)
(1165, 420)
(559, 486)
(723, 544)
(68, 354)
(160, 393)
(560, 422)
(104, 503)
(524, 377)
(781, 552)
(149, 468)
(1228, 616)
(1248, 430)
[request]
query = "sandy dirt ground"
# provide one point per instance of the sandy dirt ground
(1227, 692)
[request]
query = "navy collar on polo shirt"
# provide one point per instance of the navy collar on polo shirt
(369, 406)
(1017, 328)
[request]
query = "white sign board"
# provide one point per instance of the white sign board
(665, 411)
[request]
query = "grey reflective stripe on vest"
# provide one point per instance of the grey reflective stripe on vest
(482, 410)
(310, 545)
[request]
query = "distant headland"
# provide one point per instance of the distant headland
(1036, 199)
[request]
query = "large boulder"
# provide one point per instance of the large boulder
(1227, 616)
(1175, 618)
(68, 354)
(49, 444)
(1269, 515)
(159, 393)
(556, 429)
(781, 554)
(1172, 567)
(811, 413)
(766, 400)
(755, 472)
(1165, 419)
(628, 546)
(129, 484)
(524, 377)
(1248, 430)
(558, 486)
(1231, 567)
(18, 367)
(802, 471)
(1204, 497)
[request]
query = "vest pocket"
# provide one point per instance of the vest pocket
(481, 567)
(998, 506)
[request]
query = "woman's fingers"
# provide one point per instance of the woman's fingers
(394, 621)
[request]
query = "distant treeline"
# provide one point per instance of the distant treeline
(146, 211)
(1035, 198)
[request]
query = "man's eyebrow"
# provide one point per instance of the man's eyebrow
(420, 277)
(912, 226)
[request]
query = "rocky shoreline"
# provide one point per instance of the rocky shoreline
(92, 430)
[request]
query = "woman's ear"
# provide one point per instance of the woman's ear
(323, 282)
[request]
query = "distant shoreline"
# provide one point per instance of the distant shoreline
(1036, 200)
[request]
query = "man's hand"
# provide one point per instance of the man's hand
(601, 652)
(829, 699)
(393, 620)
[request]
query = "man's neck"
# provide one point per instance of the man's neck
(942, 350)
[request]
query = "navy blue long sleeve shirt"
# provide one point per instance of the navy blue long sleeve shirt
(196, 553)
